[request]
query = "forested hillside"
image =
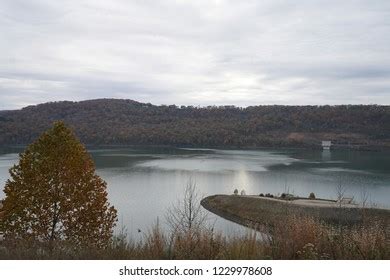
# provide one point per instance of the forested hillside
(113, 121)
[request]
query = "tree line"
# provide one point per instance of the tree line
(127, 122)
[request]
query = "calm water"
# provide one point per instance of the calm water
(143, 183)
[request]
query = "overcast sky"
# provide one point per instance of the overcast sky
(199, 52)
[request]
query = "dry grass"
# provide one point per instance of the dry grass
(304, 237)
(296, 237)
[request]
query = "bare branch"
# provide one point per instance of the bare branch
(187, 214)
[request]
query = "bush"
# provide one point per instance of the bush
(312, 196)
(262, 195)
(235, 192)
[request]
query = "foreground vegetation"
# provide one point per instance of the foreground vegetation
(189, 235)
(297, 237)
(126, 122)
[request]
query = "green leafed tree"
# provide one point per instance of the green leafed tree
(55, 196)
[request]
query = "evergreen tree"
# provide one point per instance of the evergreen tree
(54, 194)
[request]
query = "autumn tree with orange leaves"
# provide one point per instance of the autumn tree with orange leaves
(55, 197)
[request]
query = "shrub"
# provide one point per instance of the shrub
(312, 196)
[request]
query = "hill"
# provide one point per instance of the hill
(127, 122)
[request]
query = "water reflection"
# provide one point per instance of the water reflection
(326, 155)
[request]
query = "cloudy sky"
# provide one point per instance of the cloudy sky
(199, 52)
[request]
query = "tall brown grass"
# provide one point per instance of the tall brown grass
(304, 237)
(296, 237)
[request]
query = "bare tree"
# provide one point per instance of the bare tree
(340, 192)
(341, 212)
(286, 187)
(364, 197)
(187, 214)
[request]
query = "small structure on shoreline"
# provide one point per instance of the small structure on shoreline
(326, 145)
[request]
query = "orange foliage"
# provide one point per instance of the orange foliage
(55, 196)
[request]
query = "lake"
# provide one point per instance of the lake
(144, 182)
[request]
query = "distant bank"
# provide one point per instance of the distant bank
(127, 122)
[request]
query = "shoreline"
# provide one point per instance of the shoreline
(303, 146)
(251, 211)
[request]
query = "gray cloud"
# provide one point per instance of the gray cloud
(195, 52)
